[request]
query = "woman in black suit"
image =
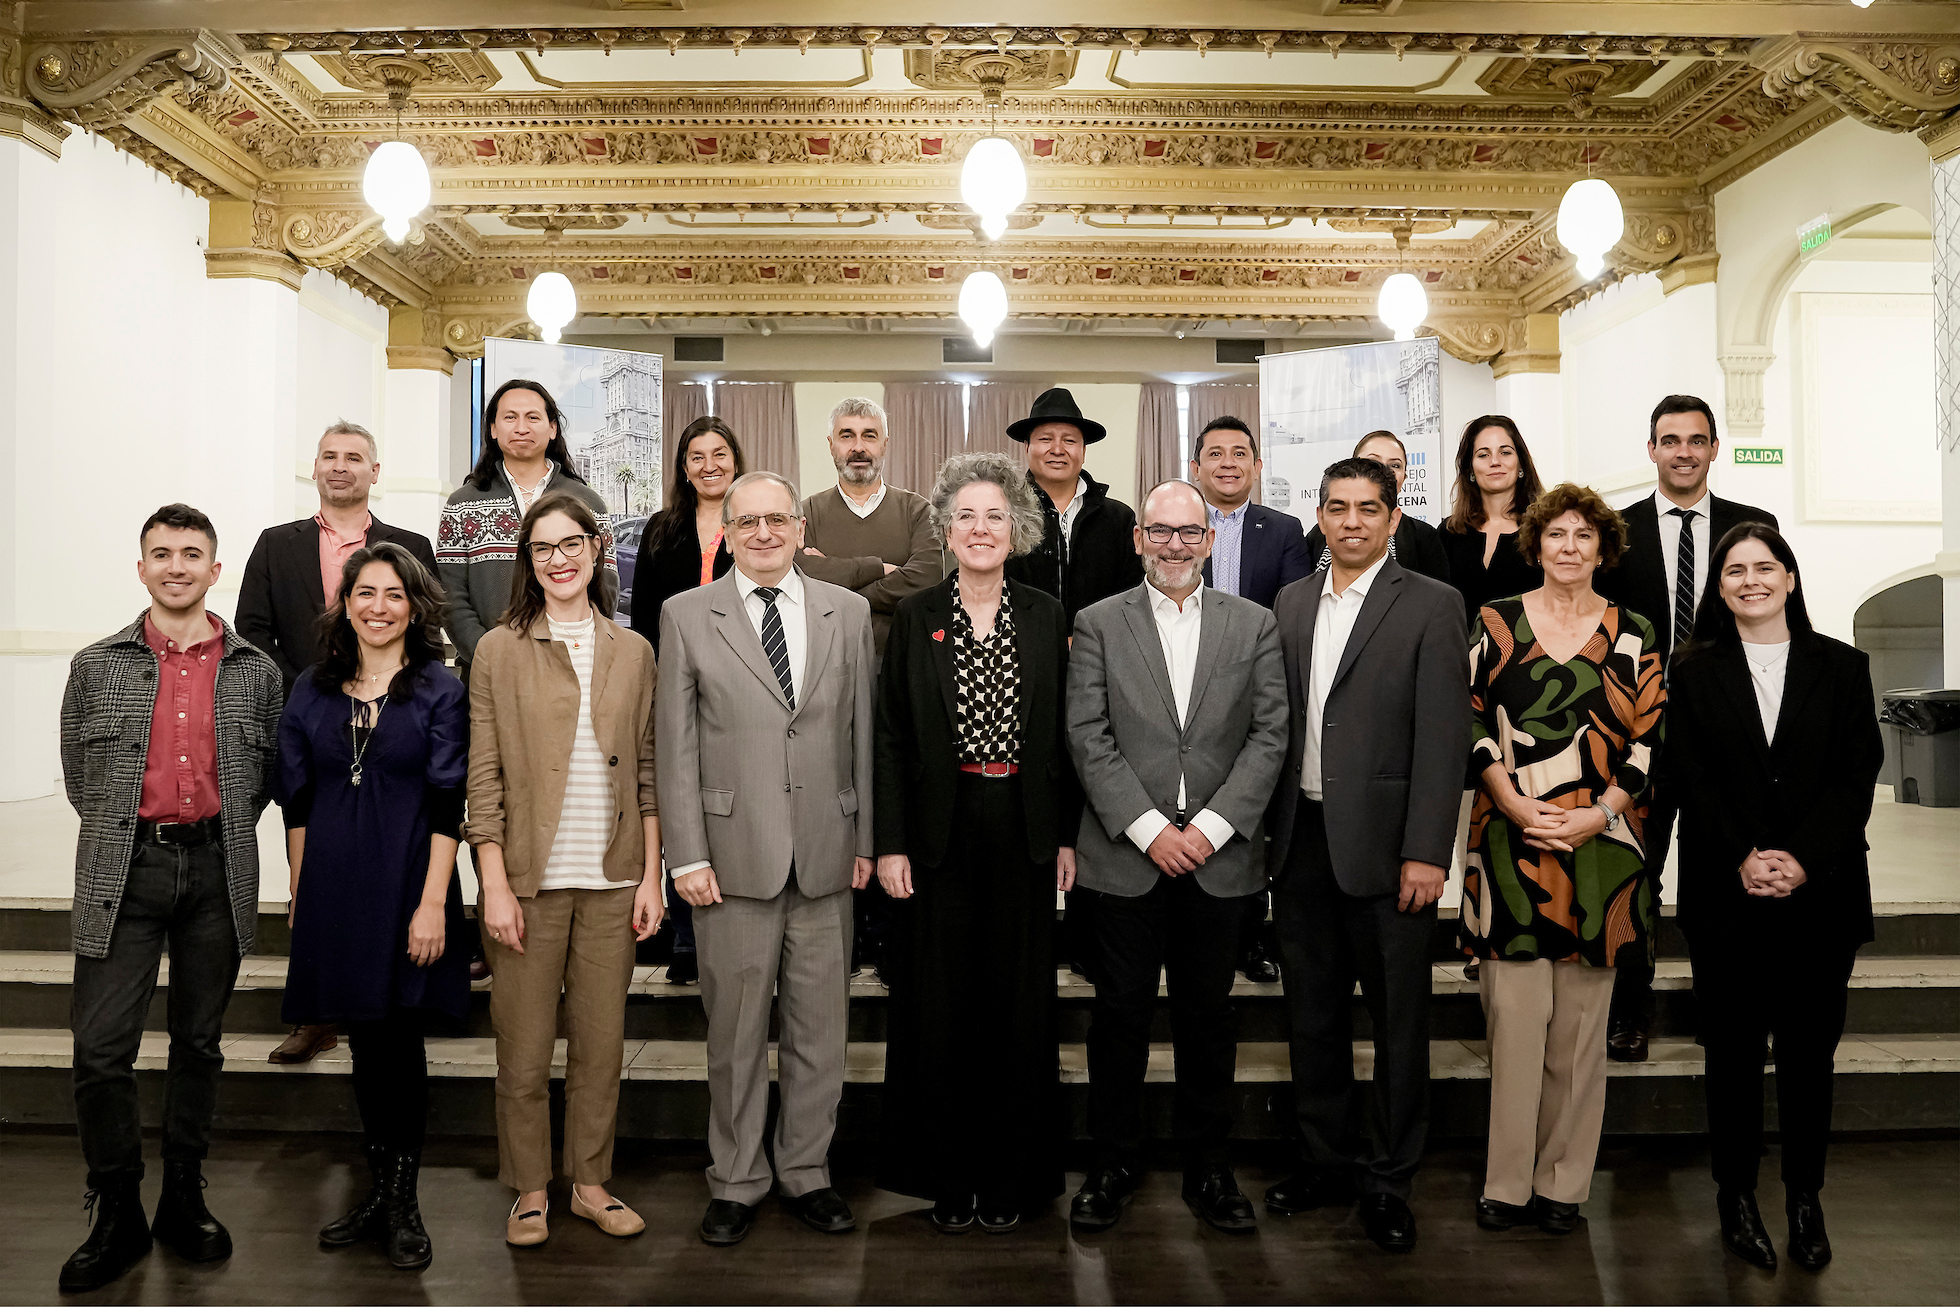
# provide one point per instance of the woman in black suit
(1416, 545)
(1495, 482)
(976, 810)
(1773, 747)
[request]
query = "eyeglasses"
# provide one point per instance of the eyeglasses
(968, 520)
(1159, 534)
(572, 547)
(749, 523)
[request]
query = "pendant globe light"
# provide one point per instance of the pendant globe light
(551, 304)
(1402, 305)
(983, 305)
(993, 183)
(395, 183)
(1590, 222)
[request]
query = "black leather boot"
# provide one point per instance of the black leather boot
(184, 1224)
(365, 1217)
(119, 1239)
(1810, 1247)
(1742, 1228)
(409, 1248)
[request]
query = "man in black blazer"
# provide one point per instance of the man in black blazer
(1086, 552)
(1363, 825)
(1670, 534)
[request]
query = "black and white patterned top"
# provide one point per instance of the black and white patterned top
(986, 685)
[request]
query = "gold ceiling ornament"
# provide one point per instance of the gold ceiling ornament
(1895, 85)
(1530, 78)
(1580, 81)
(436, 70)
(332, 238)
(555, 225)
(990, 72)
(100, 83)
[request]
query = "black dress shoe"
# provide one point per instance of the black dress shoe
(1742, 1228)
(184, 1224)
(364, 1218)
(1258, 965)
(1555, 1218)
(1493, 1215)
(998, 1217)
(683, 969)
(409, 1246)
(726, 1222)
(823, 1210)
(1389, 1222)
(1214, 1198)
(1626, 1040)
(119, 1239)
(1810, 1247)
(1473, 970)
(1308, 1190)
(954, 1215)
(1102, 1198)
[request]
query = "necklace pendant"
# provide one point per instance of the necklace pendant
(355, 776)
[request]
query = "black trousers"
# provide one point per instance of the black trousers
(1633, 978)
(391, 1080)
(1744, 997)
(1192, 938)
(1328, 940)
(177, 897)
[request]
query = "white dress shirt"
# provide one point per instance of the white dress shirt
(1332, 625)
(869, 506)
(1767, 664)
(1178, 629)
(1073, 511)
(1671, 547)
(1228, 546)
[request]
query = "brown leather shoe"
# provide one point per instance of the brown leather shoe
(303, 1045)
(615, 1218)
(1626, 1041)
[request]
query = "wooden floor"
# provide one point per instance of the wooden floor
(1894, 1207)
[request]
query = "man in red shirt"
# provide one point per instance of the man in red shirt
(168, 733)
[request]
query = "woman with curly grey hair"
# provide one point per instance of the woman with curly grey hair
(977, 807)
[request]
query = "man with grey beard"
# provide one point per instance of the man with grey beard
(1177, 723)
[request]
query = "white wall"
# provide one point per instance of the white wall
(342, 375)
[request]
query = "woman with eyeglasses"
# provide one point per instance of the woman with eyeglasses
(565, 827)
(976, 805)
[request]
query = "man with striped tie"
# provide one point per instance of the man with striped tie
(764, 745)
(1661, 577)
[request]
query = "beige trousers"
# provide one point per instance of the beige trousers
(578, 942)
(1547, 1026)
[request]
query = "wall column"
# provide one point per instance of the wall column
(1528, 392)
(1946, 380)
(417, 430)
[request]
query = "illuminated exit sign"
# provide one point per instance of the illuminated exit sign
(1760, 457)
(1813, 236)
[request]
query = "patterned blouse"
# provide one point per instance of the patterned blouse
(1566, 732)
(986, 685)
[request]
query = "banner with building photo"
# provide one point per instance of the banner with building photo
(1315, 405)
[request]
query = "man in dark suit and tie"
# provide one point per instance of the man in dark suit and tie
(1661, 577)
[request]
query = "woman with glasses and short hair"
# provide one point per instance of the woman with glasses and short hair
(563, 820)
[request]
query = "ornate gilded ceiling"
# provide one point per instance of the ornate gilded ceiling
(771, 172)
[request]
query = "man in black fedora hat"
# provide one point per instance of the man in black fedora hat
(1087, 553)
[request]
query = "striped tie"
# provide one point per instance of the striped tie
(773, 643)
(1684, 578)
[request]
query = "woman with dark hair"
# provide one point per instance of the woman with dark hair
(681, 548)
(564, 824)
(1496, 481)
(1773, 751)
(372, 758)
(524, 456)
(1416, 545)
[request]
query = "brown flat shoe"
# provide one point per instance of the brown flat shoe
(303, 1045)
(616, 1218)
(527, 1228)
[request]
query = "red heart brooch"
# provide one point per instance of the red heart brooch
(939, 635)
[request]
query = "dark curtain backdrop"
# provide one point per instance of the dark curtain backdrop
(991, 405)
(1214, 399)
(763, 416)
(927, 424)
(1157, 444)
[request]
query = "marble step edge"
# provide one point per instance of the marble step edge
(685, 1060)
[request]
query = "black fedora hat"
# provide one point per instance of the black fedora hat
(1056, 405)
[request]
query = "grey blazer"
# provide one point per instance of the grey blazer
(746, 784)
(1395, 735)
(1129, 748)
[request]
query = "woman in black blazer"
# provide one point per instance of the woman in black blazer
(976, 808)
(1496, 480)
(1773, 749)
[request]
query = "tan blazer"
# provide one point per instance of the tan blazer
(749, 786)
(523, 711)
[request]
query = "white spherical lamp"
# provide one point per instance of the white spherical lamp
(551, 304)
(983, 305)
(396, 186)
(1590, 222)
(1402, 305)
(993, 183)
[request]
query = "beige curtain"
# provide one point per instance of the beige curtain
(1216, 399)
(763, 417)
(681, 403)
(990, 406)
(927, 424)
(1157, 444)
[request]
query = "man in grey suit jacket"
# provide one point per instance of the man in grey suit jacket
(1177, 725)
(1378, 676)
(765, 755)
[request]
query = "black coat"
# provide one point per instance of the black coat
(1101, 559)
(660, 574)
(918, 748)
(1418, 547)
(281, 601)
(1272, 553)
(1507, 575)
(1640, 581)
(1809, 793)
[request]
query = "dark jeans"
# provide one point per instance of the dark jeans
(1329, 939)
(1633, 978)
(391, 1080)
(1192, 938)
(176, 896)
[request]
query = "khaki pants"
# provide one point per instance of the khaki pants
(1547, 1024)
(578, 942)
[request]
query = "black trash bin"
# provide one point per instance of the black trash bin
(1925, 730)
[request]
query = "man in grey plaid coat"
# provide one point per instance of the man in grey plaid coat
(168, 734)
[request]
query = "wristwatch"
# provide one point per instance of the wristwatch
(1612, 818)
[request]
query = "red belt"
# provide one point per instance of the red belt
(991, 768)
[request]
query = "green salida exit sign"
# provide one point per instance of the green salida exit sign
(1813, 235)
(1758, 456)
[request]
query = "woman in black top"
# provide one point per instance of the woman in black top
(1773, 750)
(1495, 482)
(976, 805)
(1416, 545)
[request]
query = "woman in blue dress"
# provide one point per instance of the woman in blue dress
(373, 755)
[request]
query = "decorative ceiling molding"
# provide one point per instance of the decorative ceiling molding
(435, 71)
(1893, 85)
(100, 84)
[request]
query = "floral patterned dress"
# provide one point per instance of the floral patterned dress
(1566, 732)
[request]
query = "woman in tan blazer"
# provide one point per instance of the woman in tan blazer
(564, 821)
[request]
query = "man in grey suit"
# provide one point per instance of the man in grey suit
(1378, 676)
(1177, 725)
(765, 754)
